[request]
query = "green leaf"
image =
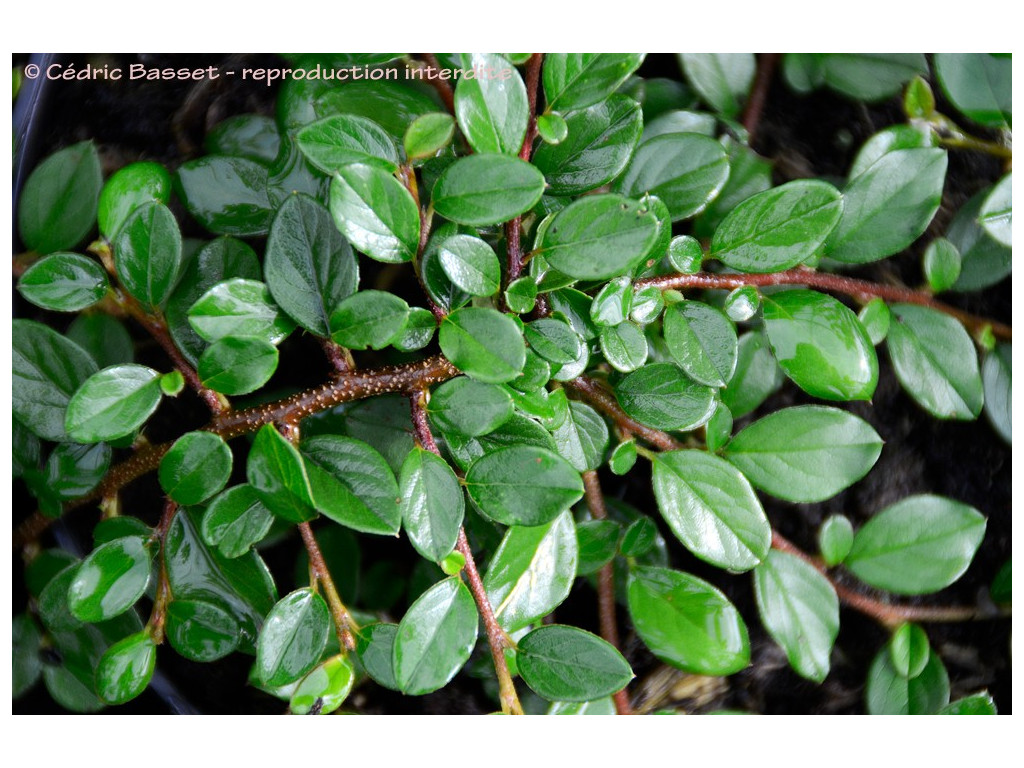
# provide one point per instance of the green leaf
(835, 540)
(112, 403)
(521, 295)
(596, 544)
(239, 307)
(889, 205)
(685, 254)
(712, 509)
(110, 580)
(481, 190)
(341, 140)
(277, 473)
(639, 538)
(660, 396)
(74, 470)
(909, 650)
(889, 693)
(876, 318)
(800, 610)
(292, 638)
(483, 343)
(742, 303)
(26, 644)
(997, 378)
(563, 663)
(104, 338)
(685, 170)
(686, 622)
(352, 484)
(148, 254)
(604, 706)
(935, 362)
(432, 503)
(469, 408)
(532, 572)
(392, 105)
(779, 228)
(241, 587)
(435, 638)
(599, 236)
(523, 485)
(126, 668)
(722, 79)
(979, 85)
(757, 375)
(600, 141)
(492, 111)
(68, 691)
(375, 212)
(428, 134)
(919, 545)
(383, 423)
(941, 264)
(996, 215)
(624, 346)
(889, 139)
(58, 204)
(131, 187)
(805, 454)
(64, 282)
(309, 266)
(237, 365)
(577, 80)
(227, 195)
(236, 520)
(325, 688)
(368, 319)
(702, 340)
(978, 704)
(196, 467)
(552, 128)
(749, 174)
(623, 457)
(375, 646)
(871, 76)
(983, 260)
(554, 340)
(581, 436)
(821, 345)
(418, 332)
(471, 264)
(252, 136)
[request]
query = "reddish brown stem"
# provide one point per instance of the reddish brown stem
(766, 63)
(605, 584)
(344, 625)
(339, 357)
(850, 286)
(158, 617)
(885, 613)
(441, 84)
(596, 395)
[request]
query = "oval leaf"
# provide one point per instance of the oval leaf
(563, 663)
(196, 467)
(110, 580)
(113, 403)
(64, 282)
(375, 212)
(292, 638)
(481, 190)
(432, 503)
(485, 344)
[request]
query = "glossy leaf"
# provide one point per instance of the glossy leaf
(563, 663)
(292, 638)
(376, 648)
(596, 544)
(196, 467)
(74, 470)
(368, 319)
(309, 266)
(889, 693)
(757, 375)
(341, 140)
(997, 212)
(132, 186)
(58, 204)
(661, 396)
(521, 295)
(236, 520)
(428, 134)
(554, 340)
(623, 457)
(237, 365)
(702, 340)
(252, 136)
(393, 106)
(552, 128)
(624, 346)
(639, 538)
(148, 254)
(919, 545)
(983, 260)
(835, 539)
(112, 403)
(485, 344)
(805, 454)
(722, 79)
(582, 436)
(110, 580)
(64, 282)
(435, 638)
(685, 170)
(821, 345)
(686, 622)
(104, 338)
(492, 111)
(28, 666)
(979, 84)
(324, 689)
(352, 484)
(277, 473)
(126, 669)
(604, 706)
(532, 572)
(523, 485)
(685, 254)
(432, 503)
(577, 80)
(375, 213)
(600, 141)
(935, 362)
(909, 650)
(890, 139)
(800, 610)
(471, 264)
(239, 307)
(941, 264)
(227, 195)
(712, 509)
(888, 206)
(470, 408)
(481, 190)
(778, 229)
(997, 379)
(978, 704)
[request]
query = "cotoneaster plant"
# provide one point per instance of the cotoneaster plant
(517, 364)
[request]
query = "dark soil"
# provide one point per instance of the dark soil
(815, 135)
